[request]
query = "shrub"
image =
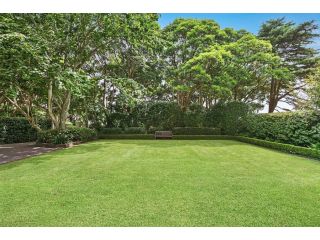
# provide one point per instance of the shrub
(194, 116)
(126, 136)
(203, 137)
(196, 131)
(15, 130)
(227, 116)
(72, 134)
(117, 120)
(164, 115)
(297, 128)
(111, 130)
(152, 130)
(307, 152)
(134, 130)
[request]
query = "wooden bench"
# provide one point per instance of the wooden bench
(163, 135)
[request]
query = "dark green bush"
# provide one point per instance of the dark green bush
(117, 120)
(307, 152)
(134, 130)
(194, 116)
(164, 115)
(196, 131)
(227, 116)
(126, 136)
(111, 130)
(72, 134)
(203, 137)
(16, 130)
(297, 128)
(44, 123)
(152, 130)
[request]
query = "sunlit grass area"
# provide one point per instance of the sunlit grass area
(161, 183)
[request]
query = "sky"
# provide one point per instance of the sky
(248, 21)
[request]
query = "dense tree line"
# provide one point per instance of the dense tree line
(86, 68)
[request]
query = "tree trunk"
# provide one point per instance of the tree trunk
(59, 119)
(53, 118)
(64, 111)
(27, 114)
(273, 95)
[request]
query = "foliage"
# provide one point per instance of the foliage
(303, 151)
(297, 128)
(110, 130)
(152, 130)
(16, 130)
(164, 115)
(291, 42)
(195, 131)
(226, 116)
(126, 136)
(194, 116)
(313, 89)
(123, 70)
(134, 130)
(71, 134)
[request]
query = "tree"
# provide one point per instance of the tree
(237, 71)
(203, 78)
(22, 70)
(67, 43)
(252, 66)
(187, 38)
(290, 42)
(313, 89)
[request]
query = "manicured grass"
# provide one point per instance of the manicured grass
(161, 183)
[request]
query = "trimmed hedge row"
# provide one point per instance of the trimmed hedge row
(15, 130)
(151, 130)
(129, 130)
(125, 136)
(111, 131)
(203, 137)
(196, 131)
(168, 115)
(18, 129)
(176, 137)
(303, 151)
(72, 134)
(297, 128)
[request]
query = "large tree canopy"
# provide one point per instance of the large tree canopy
(291, 42)
(89, 68)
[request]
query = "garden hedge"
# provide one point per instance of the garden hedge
(111, 130)
(134, 130)
(227, 116)
(296, 128)
(196, 131)
(125, 136)
(168, 115)
(71, 134)
(18, 129)
(303, 151)
(203, 137)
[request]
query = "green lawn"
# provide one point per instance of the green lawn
(161, 183)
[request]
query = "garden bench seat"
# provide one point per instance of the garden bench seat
(163, 135)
